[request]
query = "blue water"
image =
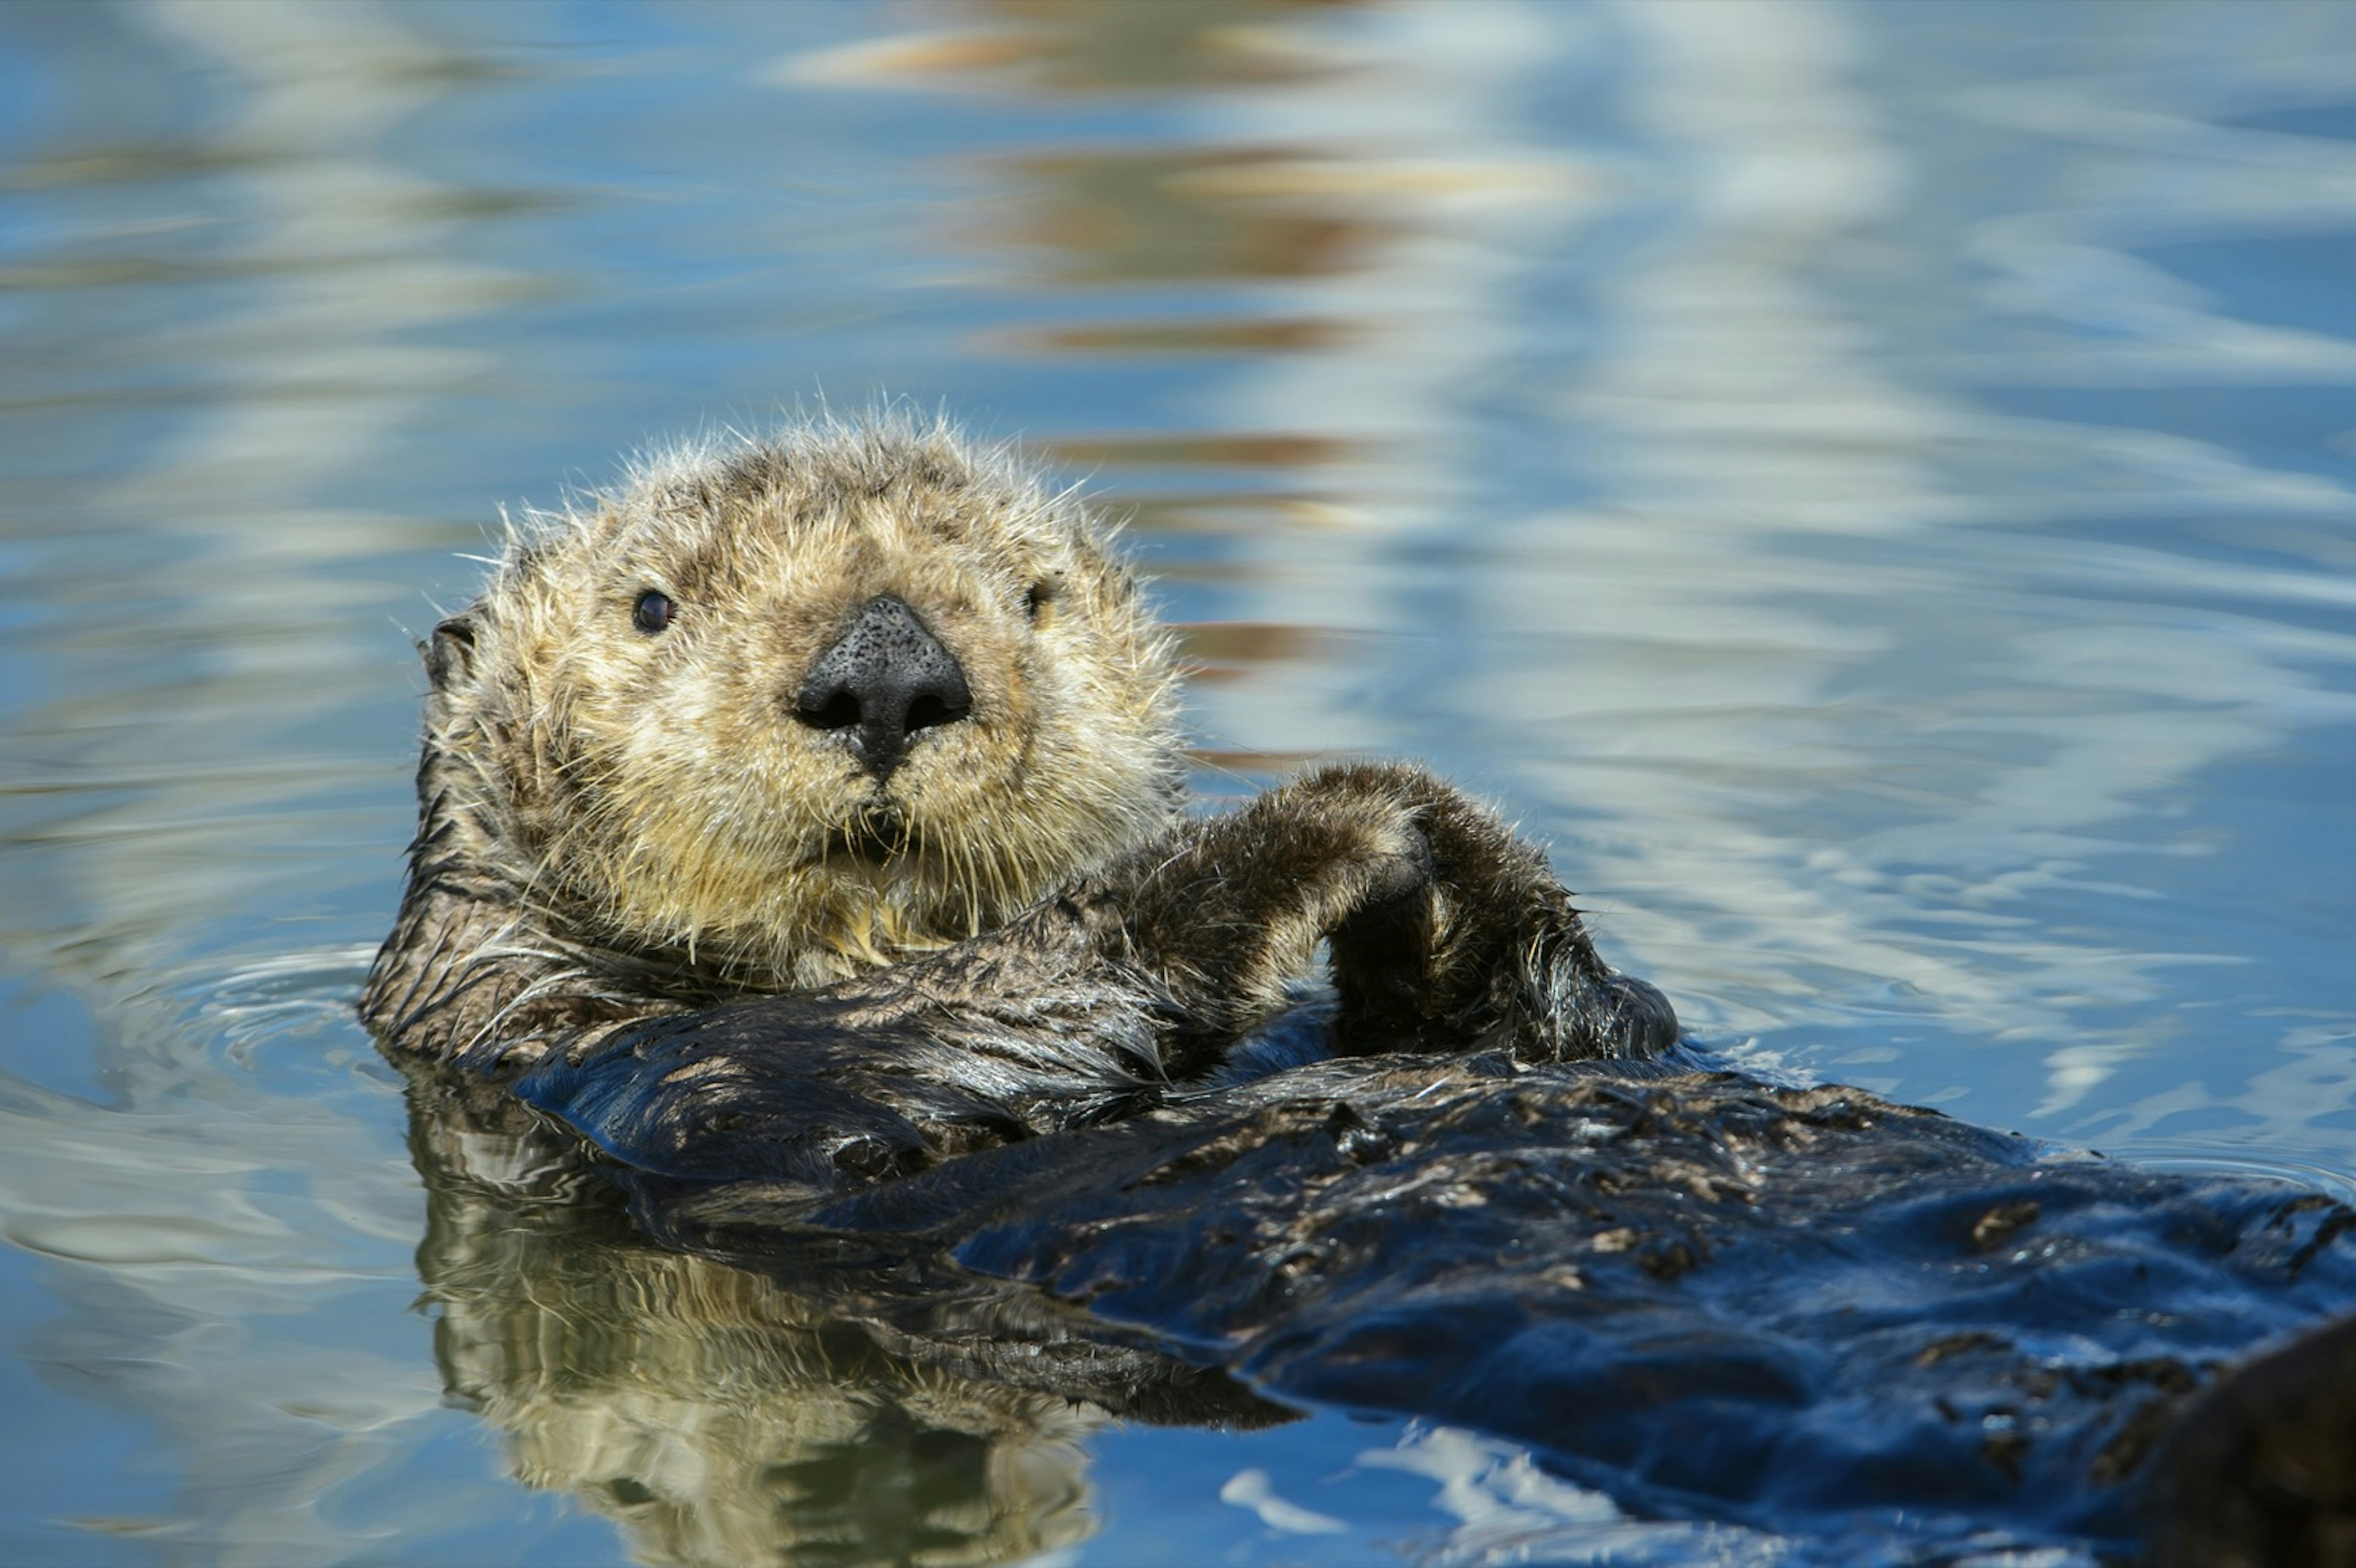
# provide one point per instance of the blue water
(1873, 486)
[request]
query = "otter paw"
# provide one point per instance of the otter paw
(1488, 953)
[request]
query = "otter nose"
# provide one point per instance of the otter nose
(886, 677)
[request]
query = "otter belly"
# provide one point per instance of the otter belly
(1794, 1309)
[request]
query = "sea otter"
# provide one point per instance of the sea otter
(802, 826)
(826, 789)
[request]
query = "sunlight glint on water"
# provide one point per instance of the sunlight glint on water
(1870, 485)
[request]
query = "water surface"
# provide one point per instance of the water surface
(1869, 486)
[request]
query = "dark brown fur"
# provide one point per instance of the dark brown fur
(1048, 944)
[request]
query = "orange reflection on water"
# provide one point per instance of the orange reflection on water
(1272, 336)
(1165, 215)
(1227, 450)
(1087, 46)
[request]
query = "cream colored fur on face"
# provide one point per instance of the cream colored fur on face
(657, 793)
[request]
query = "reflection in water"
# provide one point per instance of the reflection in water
(844, 1397)
(1158, 218)
(1871, 484)
(1074, 46)
(714, 1415)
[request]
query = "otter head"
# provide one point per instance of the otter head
(790, 709)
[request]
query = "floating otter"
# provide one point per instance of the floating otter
(802, 826)
(841, 770)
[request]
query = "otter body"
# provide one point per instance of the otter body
(818, 801)
(810, 811)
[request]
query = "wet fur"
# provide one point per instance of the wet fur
(635, 904)
(635, 886)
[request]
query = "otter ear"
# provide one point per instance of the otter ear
(449, 653)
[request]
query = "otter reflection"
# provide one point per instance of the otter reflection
(866, 1411)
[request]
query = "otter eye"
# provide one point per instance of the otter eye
(653, 611)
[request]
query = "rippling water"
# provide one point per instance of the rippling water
(1871, 485)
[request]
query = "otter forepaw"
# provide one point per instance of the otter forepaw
(1446, 931)
(1489, 952)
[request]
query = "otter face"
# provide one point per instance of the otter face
(795, 708)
